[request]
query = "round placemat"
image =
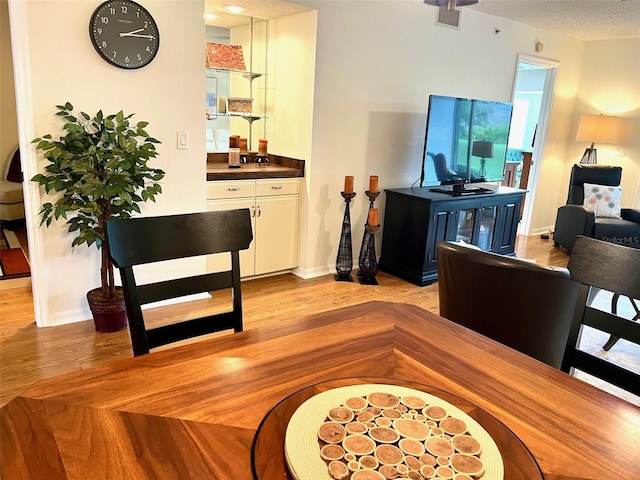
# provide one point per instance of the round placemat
(302, 449)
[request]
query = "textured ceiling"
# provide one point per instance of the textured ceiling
(583, 19)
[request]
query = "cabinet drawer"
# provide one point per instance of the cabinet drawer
(230, 189)
(277, 186)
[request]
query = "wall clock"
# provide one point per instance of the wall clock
(124, 33)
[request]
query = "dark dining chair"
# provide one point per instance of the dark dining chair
(521, 304)
(137, 241)
(615, 268)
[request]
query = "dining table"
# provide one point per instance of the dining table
(219, 408)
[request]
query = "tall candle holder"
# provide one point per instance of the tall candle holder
(344, 260)
(367, 261)
(372, 198)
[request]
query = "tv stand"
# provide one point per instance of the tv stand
(459, 189)
(417, 219)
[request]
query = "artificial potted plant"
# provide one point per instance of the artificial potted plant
(100, 168)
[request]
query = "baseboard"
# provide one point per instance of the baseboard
(307, 273)
(542, 231)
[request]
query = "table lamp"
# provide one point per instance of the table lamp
(484, 150)
(596, 128)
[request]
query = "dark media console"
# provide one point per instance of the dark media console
(417, 219)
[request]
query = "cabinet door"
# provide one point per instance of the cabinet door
(486, 217)
(466, 224)
(222, 261)
(507, 226)
(440, 230)
(476, 225)
(276, 233)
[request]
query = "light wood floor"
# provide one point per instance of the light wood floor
(29, 354)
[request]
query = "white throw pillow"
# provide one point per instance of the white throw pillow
(602, 199)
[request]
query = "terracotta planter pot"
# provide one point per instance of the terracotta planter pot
(109, 314)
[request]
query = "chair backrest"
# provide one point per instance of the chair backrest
(137, 241)
(14, 169)
(611, 267)
(588, 173)
(521, 304)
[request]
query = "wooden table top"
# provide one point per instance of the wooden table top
(193, 411)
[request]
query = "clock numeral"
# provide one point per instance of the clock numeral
(114, 54)
(112, 11)
(104, 20)
(104, 44)
(125, 10)
(148, 49)
(139, 57)
(99, 30)
(126, 59)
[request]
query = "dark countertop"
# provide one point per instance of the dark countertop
(280, 167)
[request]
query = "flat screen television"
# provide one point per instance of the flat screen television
(465, 143)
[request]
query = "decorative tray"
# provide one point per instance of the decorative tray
(380, 431)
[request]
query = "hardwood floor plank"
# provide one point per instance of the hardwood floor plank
(29, 354)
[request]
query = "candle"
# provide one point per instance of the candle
(348, 184)
(373, 184)
(373, 217)
(242, 145)
(233, 141)
(262, 146)
(234, 157)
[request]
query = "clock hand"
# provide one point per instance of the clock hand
(131, 34)
(150, 37)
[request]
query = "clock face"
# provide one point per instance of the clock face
(124, 34)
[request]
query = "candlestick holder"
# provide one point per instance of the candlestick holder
(367, 261)
(344, 260)
(372, 197)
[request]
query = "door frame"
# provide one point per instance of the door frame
(551, 67)
(28, 158)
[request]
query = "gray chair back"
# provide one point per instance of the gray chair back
(597, 174)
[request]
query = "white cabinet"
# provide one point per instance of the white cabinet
(274, 206)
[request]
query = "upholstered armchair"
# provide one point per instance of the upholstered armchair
(600, 215)
(11, 196)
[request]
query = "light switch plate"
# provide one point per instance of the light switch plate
(183, 140)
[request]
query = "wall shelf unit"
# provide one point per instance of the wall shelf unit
(250, 83)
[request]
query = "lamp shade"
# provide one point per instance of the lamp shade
(482, 149)
(598, 129)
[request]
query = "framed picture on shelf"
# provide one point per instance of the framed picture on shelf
(211, 108)
(224, 56)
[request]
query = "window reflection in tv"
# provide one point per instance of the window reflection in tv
(466, 141)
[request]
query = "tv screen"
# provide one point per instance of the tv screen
(465, 142)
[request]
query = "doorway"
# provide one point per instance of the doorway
(532, 98)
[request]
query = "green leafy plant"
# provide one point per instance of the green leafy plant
(100, 168)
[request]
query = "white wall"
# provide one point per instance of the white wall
(56, 62)
(610, 84)
(376, 65)
(290, 101)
